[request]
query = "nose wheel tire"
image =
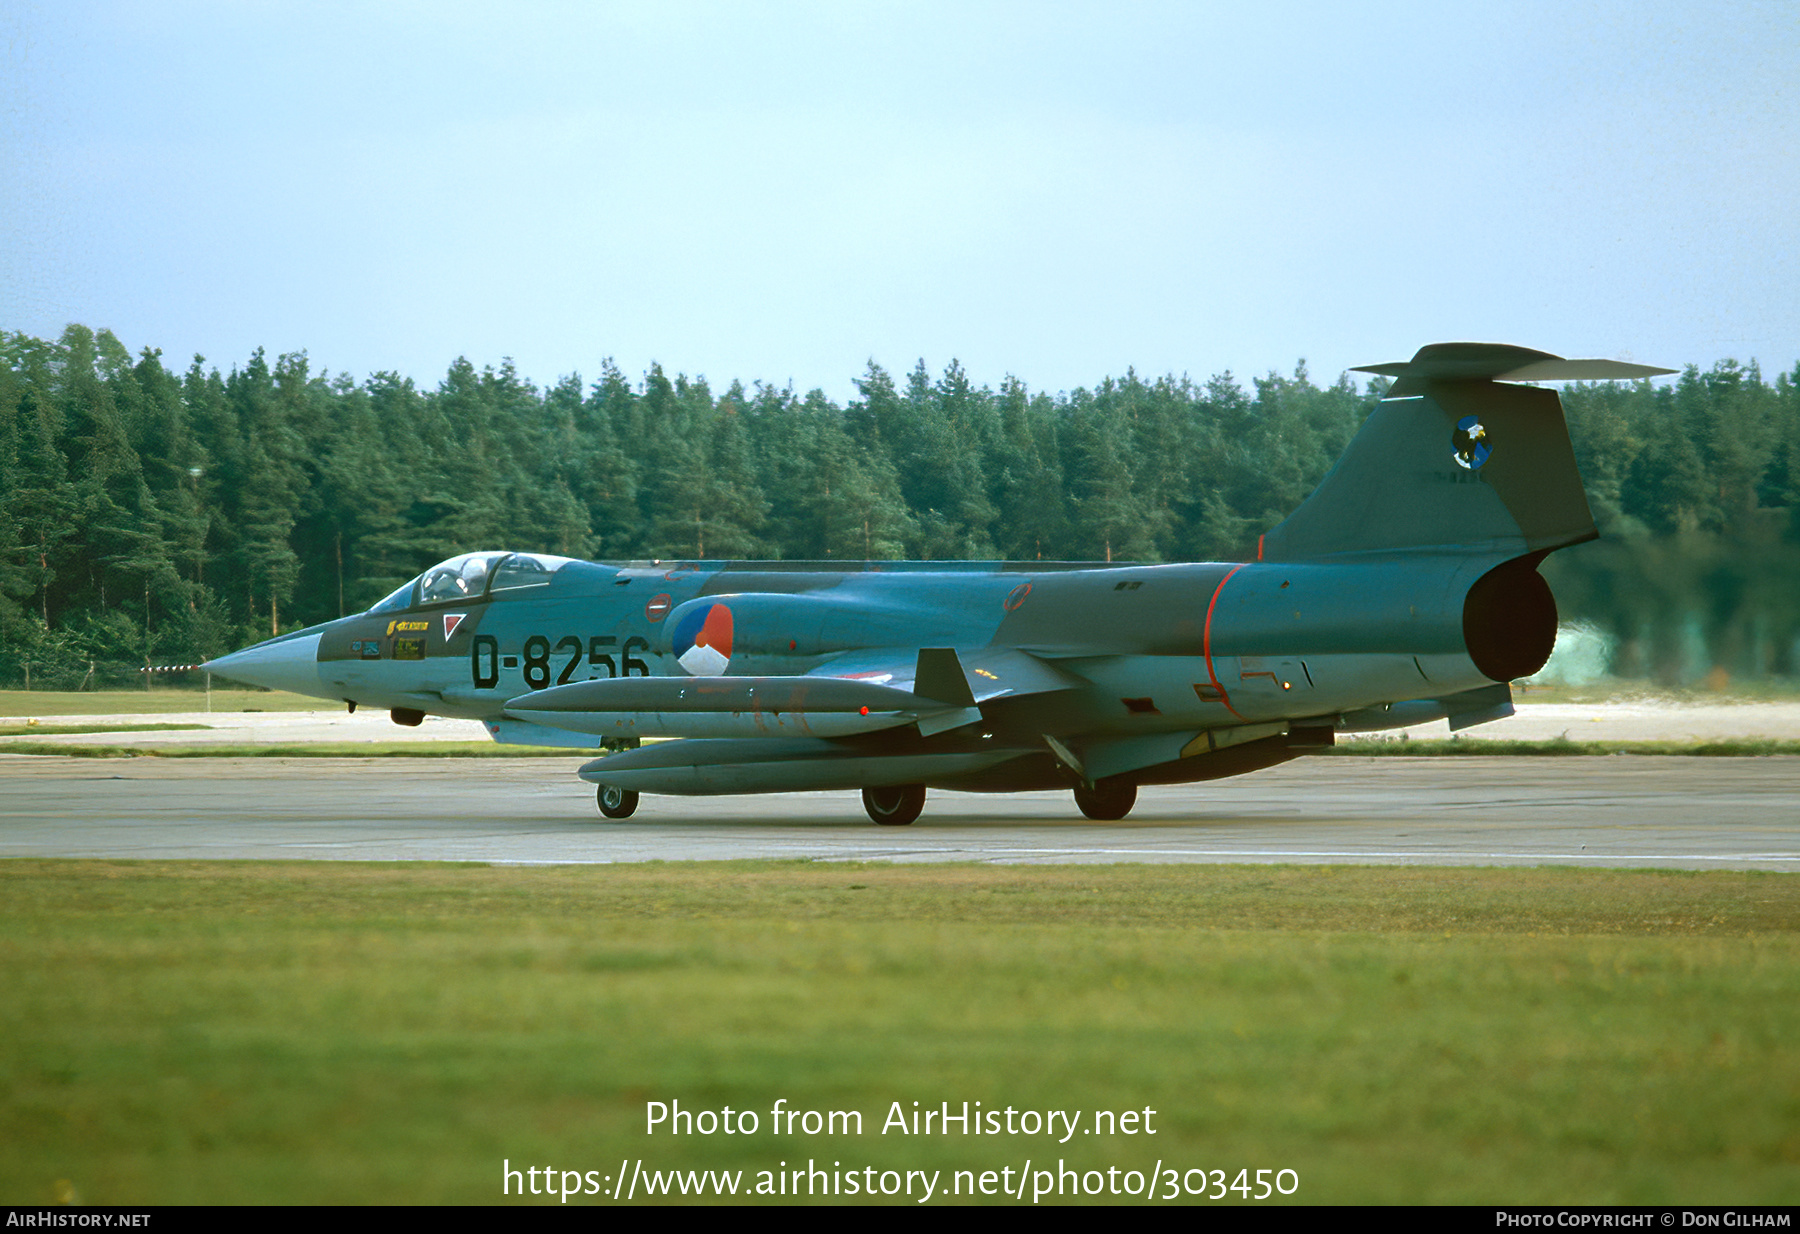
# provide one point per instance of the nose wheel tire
(1108, 800)
(616, 802)
(895, 805)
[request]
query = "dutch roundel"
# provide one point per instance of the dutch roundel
(702, 640)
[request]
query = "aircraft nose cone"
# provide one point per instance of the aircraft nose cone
(290, 663)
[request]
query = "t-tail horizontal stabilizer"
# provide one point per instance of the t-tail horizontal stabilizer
(1504, 362)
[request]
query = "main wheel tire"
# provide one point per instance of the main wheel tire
(616, 802)
(1109, 799)
(894, 805)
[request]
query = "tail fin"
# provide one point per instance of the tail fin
(1452, 458)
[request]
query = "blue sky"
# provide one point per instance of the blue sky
(785, 191)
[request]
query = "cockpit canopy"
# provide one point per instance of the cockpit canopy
(471, 577)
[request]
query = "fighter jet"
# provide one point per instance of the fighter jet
(1405, 589)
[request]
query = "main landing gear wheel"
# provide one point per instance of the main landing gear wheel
(895, 805)
(616, 802)
(1109, 799)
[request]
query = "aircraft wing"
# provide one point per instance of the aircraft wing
(934, 687)
(934, 672)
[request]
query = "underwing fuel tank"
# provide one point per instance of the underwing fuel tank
(702, 767)
(722, 707)
(743, 706)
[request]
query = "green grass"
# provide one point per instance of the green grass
(150, 702)
(1736, 747)
(1619, 690)
(1382, 748)
(270, 1032)
(310, 749)
(69, 730)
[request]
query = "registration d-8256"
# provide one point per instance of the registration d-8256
(563, 658)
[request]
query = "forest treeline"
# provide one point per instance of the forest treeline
(150, 515)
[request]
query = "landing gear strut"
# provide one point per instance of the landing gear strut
(895, 805)
(1111, 798)
(616, 802)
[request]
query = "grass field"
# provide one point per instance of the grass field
(334, 1032)
(1751, 747)
(310, 749)
(1617, 690)
(148, 702)
(66, 730)
(1488, 747)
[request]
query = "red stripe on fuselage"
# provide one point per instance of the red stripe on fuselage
(1206, 640)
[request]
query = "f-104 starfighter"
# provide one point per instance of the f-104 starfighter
(1404, 589)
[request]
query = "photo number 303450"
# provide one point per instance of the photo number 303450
(541, 656)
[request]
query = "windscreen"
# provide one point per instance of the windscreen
(399, 599)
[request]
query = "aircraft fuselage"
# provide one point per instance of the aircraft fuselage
(1404, 589)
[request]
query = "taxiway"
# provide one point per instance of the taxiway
(1690, 813)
